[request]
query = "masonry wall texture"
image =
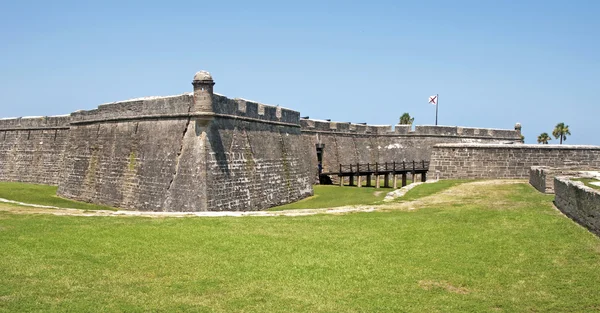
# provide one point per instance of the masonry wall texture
(346, 143)
(125, 155)
(507, 161)
(192, 152)
(203, 151)
(542, 177)
(31, 149)
(579, 202)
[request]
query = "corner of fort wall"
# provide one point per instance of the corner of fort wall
(257, 159)
(162, 153)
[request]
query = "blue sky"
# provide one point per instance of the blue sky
(494, 63)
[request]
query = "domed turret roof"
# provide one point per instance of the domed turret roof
(203, 75)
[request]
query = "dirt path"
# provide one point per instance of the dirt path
(464, 192)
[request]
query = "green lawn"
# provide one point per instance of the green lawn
(424, 190)
(328, 196)
(503, 249)
(43, 195)
(587, 182)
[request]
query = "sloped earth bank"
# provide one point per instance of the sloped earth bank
(472, 192)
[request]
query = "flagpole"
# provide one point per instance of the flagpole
(437, 97)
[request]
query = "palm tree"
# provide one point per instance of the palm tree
(561, 131)
(405, 119)
(543, 138)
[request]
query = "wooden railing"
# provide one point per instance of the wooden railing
(382, 168)
(387, 169)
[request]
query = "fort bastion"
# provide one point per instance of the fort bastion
(202, 151)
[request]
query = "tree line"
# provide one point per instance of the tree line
(561, 131)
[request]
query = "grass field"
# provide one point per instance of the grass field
(429, 189)
(587, 182)
(329, 196)
(471, 248)
(42, 195)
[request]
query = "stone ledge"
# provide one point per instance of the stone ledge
(35, 122)
(406, 135)
(330, 127)
(542, 177)
(36, 128)
(517, 146)
(182, 116)
(579, 202)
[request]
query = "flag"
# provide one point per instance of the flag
(433, 99)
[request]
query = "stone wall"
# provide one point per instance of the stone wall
(125, 154)
(203, 151)
(254, 166)
(347, 143)
(31, 148)
(578, 202)
(542, 177)
(192, 152)
(507, 161)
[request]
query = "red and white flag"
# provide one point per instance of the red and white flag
(433, 99)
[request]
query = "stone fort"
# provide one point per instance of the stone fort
(202, 151)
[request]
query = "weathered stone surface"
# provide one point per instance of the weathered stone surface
(31, 148)
(507, 161)
(193, 152)
(203, 151)
(579, 202)
(254, 166)
(542, 177)
(346, 143)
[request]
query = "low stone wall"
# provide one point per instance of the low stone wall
(507, 161)
(578, 202)
(542, 177)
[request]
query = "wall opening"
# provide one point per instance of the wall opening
(320, 147)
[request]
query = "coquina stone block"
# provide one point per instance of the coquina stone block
(507, 161)
(579, 202)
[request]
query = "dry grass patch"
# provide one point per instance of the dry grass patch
(487, 193)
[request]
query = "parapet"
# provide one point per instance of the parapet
(243, 108)
(35, 122)
(324, 126)
(517, 146)
(181, 106)
(147, 107)
(344, 127)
